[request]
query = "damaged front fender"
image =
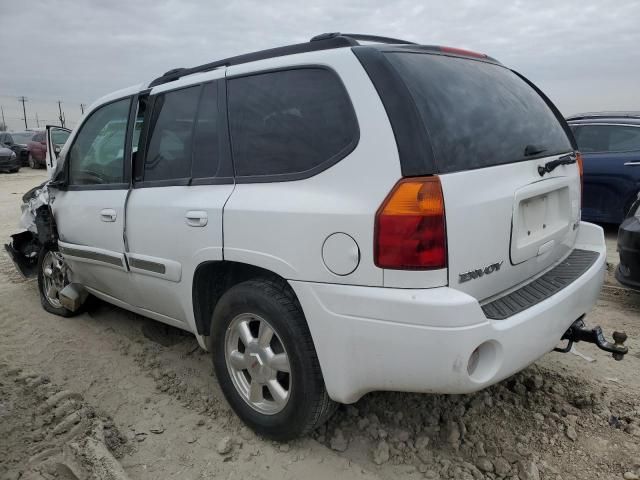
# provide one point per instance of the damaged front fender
(37, 218)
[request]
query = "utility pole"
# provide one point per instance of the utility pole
(61, 117)
(4, 125)
(82, 108)
(24, 111)
(37, 120)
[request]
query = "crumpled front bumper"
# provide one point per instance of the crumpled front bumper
(628, 270)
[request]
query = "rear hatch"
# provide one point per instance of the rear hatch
(490, 131)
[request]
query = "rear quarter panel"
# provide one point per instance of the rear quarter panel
(282, 226)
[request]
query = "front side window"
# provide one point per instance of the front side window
(168, 154)
(608, 138)
(97, 154)
(289, 121)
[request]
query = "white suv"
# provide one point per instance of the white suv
(330, 218)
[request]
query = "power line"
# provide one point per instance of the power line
(24, 110)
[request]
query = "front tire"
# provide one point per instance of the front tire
(52, 278)
(265, 360)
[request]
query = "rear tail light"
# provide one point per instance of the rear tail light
(581, 170)
(410, 226)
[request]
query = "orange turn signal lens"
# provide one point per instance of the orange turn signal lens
(410, 226)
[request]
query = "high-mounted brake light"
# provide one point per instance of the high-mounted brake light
(410, 226)
(462, 51)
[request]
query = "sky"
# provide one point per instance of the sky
(584, 54)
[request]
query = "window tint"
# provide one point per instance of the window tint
(289, 122)
(168, 155)
(97, 154)
(59, 137)
(478, 114)
(206, 141)
(608, 138)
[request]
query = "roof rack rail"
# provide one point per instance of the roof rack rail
(604, 114)
(325, 41)
(363, 38)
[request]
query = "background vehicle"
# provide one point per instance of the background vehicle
(8, 160)
(355, 257)
(628, 270)
(37, 150)
(610, 147)
(18, 141)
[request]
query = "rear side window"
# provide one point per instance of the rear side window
(206, 139)
(290, 122)
(607, 138)
(478, 114)
(168, 155)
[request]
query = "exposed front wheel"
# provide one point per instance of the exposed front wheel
(265, 360)
(52, 278)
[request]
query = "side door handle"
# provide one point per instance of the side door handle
(108, 215)
(632, 164)
(196, 218)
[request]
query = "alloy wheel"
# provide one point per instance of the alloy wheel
(54, 276)
(258, 363)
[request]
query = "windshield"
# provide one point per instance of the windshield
(478, 114)
(22, 137)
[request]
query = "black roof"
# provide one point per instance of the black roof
(325, 41)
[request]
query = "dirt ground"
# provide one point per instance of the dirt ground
(112, 395)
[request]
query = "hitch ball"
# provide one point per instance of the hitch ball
(619, 338)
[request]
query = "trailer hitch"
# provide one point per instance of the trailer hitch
(578, 332)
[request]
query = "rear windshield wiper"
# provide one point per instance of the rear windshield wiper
(550, 166)
(531, 150)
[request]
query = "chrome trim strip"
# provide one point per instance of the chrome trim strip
(147, 265)
(100, 257)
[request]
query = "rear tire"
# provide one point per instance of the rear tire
(253, 375)
(51, 279)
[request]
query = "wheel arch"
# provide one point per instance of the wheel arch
(211, 279)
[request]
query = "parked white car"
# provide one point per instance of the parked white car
(329, 219)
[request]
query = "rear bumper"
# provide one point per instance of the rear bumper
(628, 271)
(421, 340)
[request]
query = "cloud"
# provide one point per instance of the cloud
(582, 53)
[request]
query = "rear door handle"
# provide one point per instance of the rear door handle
(108, 215)
(196, 218)
(632, 164)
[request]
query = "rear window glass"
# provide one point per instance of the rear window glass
(607, 138)
(289, 122)
(478, 114)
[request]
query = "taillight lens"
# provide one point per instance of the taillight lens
(581, 170)
(410, 226)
